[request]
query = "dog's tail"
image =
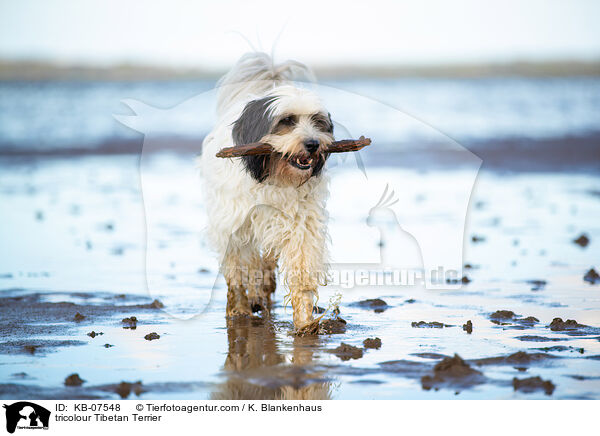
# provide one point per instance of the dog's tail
(253, 75)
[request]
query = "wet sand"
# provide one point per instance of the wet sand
(74, 241)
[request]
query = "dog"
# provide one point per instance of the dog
(267, 213)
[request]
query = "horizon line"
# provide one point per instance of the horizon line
(40, 69)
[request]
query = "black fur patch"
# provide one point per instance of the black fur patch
(319, 166)
(254, 123)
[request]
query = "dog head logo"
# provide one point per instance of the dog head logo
(429, 207)
(26, 415)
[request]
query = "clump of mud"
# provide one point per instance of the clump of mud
(592, 277)
(562, 348)
(129, 323)
(372, 343)
(329, 326)
(508, 317)
(152, 336)
(74, 380)
(432, 324)
(464, 280)
(124, 389)
(502, 315)
(583, 240)
(93, 334)
(156, 304)
(375, 304)
(537, 284)
(533, 384)
(468, 327)
(347, 352)
(477, 238)
(520, 358)
(452, 371)
(528, 320)
(558, 325)
(332, 326)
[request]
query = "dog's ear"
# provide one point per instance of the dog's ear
(254, 123)
(330, 123)
(319, 166)
(257, 166)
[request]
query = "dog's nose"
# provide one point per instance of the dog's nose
(311, 145)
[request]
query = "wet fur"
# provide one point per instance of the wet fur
(263, 210)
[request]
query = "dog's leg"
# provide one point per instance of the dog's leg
(304, 266)
(235, 274)
(237, 302)
(256, 296)
(262, 282)
(270, 282)
(302, 306)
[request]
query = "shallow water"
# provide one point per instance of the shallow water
(74, 234)
(45, 115)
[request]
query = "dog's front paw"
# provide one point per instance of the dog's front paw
(238, 312)
(237, 303)
(259, 304)
(302, 306)
(309, 329)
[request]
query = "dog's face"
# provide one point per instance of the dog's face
(295, 123)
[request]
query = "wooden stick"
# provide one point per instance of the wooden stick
(256, 148)
(245, 150)
(348, 145)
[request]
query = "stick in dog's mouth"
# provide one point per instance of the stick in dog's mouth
(258, 148)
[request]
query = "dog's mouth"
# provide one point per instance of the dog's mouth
(302, 162)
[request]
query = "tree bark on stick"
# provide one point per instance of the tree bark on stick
(257, 148)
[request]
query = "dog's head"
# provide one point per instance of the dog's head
(295, 123)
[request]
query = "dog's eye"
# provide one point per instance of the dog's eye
(322, 124)
(287, 121)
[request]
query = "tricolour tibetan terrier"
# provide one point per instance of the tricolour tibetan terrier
(268, 211)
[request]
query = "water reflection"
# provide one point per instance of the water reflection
(257, 369)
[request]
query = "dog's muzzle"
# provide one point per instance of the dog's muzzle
(305, 161)
(311, 145)
(302, 162)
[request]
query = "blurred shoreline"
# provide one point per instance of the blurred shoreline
(520, 155)
(40, 70)
(514, 124)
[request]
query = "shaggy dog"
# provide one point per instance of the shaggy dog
(268, 211)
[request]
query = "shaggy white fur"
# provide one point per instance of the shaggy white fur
(270, 211)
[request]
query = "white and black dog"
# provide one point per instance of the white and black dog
(268, 211)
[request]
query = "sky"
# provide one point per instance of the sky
(212, 35)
